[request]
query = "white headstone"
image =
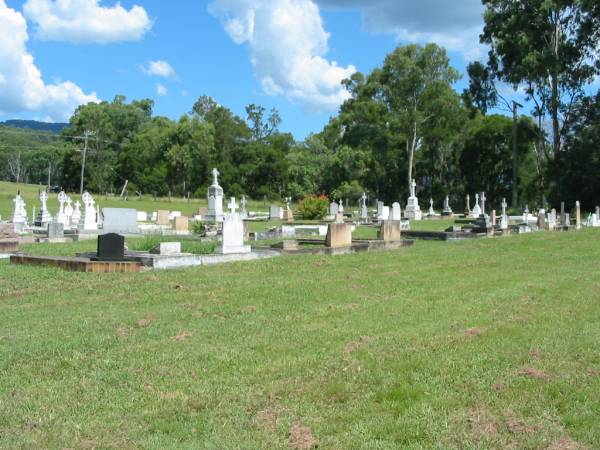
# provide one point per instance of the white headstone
(412, 210)
(90, 221)
(431, 210)
(76, 216)
(333, 208)
(215, 199)
(44, 216)
(233, 232)
(19, 217)
(476, 211)
(504, 218)
(396, 212)
(364, 212)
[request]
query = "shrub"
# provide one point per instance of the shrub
(314, 207)
(198, 227)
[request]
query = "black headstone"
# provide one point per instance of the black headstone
(111, 247)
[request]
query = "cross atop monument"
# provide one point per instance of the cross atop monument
(232, 205)
(43, 197)
(483, 199)
(413, 187)
(215, 174)
(62, 197)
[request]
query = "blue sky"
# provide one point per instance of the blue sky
(284, 54)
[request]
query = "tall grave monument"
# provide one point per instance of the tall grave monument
(413, 211)
(215, 199)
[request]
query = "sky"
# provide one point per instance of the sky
(285, 54)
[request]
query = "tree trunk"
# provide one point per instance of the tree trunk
(555, 119)
(411, 154)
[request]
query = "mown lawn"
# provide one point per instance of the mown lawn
(483, 344)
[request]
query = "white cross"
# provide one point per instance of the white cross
(87, 198)
(43, 197)
(215, 174)
(232, 205)
(483, 199)
(62, 197)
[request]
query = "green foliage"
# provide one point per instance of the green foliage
(313, 207)
(198, 227)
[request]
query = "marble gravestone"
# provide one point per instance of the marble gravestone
(182, 224)
(275, 212)
(120, 220)
(90, 221)
(215, 199)
(44, 217)
(476, 211)
(396, 212)
(233, 232)
(504, 218)
(162, 217)
(333, 209)
(431, 211)
(339, 235)
(364, 212)
(412, 210)
(19, 217)
(447, 210)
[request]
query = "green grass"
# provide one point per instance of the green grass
(428, 347)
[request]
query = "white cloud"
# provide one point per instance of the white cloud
(86, 21)
(161, 90)
(288, 45)
(23, 88)
(456, 25)
(159, 69)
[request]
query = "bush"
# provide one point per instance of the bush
(313, 207)
(198, 227)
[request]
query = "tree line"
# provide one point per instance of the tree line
(403, 120)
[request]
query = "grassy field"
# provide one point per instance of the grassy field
(484, 344)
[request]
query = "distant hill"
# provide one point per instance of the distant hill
(35, 125)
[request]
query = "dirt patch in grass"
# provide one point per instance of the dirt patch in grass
(473, 332)
(301, 437)
(353, 346)
(248, 309)
(566, 444)
(499, 386)
(532, 372)
(592, 372)
(483, 424)
(145, 321)
(518, 426)
(266, 420)
(181, 336)
(535, 353)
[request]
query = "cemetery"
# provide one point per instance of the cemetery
(300, 225)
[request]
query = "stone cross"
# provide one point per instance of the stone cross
(43, 199)
(232, 206)
(504, 205)
(62, 199)
(215, 174)
(431, 202)
(243, 203)
(413, 187)
(363, 199)
(477, 199)
(468, 203)
(87, 198)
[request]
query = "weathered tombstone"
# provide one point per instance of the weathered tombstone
(111, 247)
(504, 218)
(552, 220)
(182, 224)
(215, 199)
(567, 220)
(541, 220)
(167, 248)
(76, 216)
(275, 212)
(56, 231)
(142, 216)
(482, 199)
(493, 217)
(468, 207)
(68, 212)
(288, 215)
(413, 211)
(333, 208)
(447, 210)
(431, 210)
(577, 215)
(396, 212)
(62, 199)
(390, 230)
(339, 235)
(244, 211)
(233, 232)
(364, 212)
(162, 217)
(120, 220)
(563, 216)
(341, 207)
(8, 238)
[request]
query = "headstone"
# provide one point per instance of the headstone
(390, 230)
(174, 214)
(493, 217)
(341, 207)
(276, 212)
(333, 208)
(162, 217)
(339, 235)
(142, 216)
(120, 220)
(339, 218)
(111, 247)
(154, 216)
(288, 215)
(577, 215)
(379, 209)
(44, 217)
(476, 211)
(526, 215)
(19, 217)
(56, 230)
(90, 220)
(431, 210)
(182, 224)
(413, 211)
(68, 212)
(364, 212)
(482, 199)
(552, 220)
(468, 208)
(385, 212)
(567, 220)
(8, 238)
(541, 220)
(244, 211)
(396, 212)
(447, 210)
(233, 232)
(76, 216)
(504, 218)
(215, 199)
(60, 216)
(167, 248)
(563, 217)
